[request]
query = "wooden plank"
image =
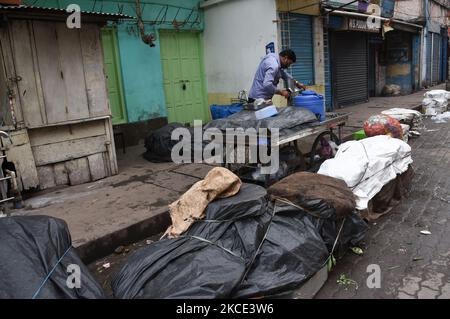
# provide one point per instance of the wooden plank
(91, 49)
(68, 150)
(61, 177)
(91, 119)
(112, 156)
(56, 134)
(4, 116)
(97, 166)
(21, 155)
(72, 68)
(55, 98)
(22, 43)
(107, 163)
(10, 73)
(78, 171)
(46, 177)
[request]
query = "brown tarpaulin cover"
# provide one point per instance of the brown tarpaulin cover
(315, 186)
(218, 183)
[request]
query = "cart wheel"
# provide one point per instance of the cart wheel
(301, 157)
(321, 148)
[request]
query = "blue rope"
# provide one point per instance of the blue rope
(50, 273)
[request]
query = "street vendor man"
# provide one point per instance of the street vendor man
(268, 74)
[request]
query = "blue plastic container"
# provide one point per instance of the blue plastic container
(313, 102)
(223, 111)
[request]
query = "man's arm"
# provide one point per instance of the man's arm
(286, 77)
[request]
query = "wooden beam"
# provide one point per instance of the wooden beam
(68, 150)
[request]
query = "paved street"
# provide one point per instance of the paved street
(413, 265)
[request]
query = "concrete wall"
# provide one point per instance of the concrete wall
(319, 57)
(142, 76)
(235, 36)
(311, 7)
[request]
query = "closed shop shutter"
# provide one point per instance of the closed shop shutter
(436, 57)
(444, 56)
(429, 57)
(297, 34)
(326, 49)
(350, 67)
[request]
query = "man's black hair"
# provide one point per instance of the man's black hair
(289, 54)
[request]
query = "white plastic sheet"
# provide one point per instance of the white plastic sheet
(367, 165)
(435, 102)
(402, 114)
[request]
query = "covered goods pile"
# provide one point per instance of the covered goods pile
(250, 244)
(35, 255)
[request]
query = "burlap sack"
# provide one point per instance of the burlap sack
(218, 183)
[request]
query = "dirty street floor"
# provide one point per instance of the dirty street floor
(140, 192)
(412, 265)
(129, 210)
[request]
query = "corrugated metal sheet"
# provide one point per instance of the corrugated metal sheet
(299, 29)
(35, 9)
(350, 68)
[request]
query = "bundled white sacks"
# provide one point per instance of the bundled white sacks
(411, 117)
(367, 165)
(435, 102)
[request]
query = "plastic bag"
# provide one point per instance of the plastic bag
(383, 125)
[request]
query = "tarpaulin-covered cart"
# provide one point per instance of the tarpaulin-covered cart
(295, 125)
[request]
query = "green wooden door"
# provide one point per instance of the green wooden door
(181, 60)
(113, 75)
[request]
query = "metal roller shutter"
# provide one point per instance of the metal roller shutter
(444, 57)
(350, 67)
(297, 34)
(328, 93)
(429, 59)
(436, 57)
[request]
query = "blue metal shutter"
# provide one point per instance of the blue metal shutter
(327, 61)
(444, 56)
(415, 62)
(298, 36)
(436, 57)
(429, 66)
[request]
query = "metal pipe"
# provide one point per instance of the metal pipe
(345, 13)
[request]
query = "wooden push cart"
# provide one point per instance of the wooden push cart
(325, 131)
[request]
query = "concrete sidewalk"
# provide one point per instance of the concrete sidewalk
(121, 209)
(131, 206)
(361, 112)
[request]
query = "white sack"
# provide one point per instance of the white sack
(367, 165)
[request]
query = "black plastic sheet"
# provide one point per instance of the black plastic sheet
(286, 120)
(35, 253)
(246, 247)
(159, 143)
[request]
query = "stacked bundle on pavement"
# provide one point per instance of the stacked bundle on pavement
(247, 246)
(435, 102)
(369, 164)
(37, 259)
